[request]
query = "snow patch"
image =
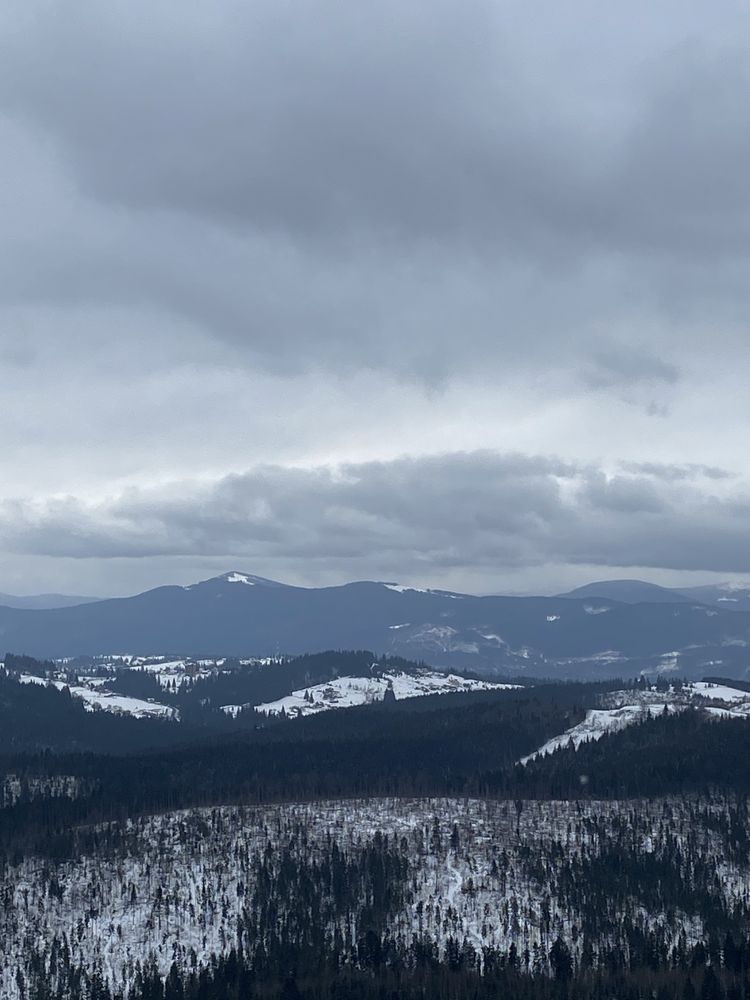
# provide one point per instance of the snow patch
(98, 700)
(719, 692)
(624, 708)
(596, 724)
(401, 588)
(347, 692)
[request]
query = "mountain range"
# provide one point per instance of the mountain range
(42, 602)
(577, 635)
(729, 596)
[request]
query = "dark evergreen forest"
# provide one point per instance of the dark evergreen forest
(65, 802)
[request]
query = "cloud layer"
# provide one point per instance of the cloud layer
(407, 518)
(369, 252)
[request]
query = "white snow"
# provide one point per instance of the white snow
(232, 710)
(721, 692)
(97, 700)
(346, 692)
(240, 578)
(493, 637)
(728, 713)
(169, 673)
(401, 588)
(624, 708)
(596, 724)
(122, 705)
(553, 618)
(32, 679)
(177, 889)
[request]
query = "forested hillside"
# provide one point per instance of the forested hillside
(541, 841)
(462, 897)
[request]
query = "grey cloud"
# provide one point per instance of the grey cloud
(680, 171)
(459, 510)
(418, 188)
(620, 367)
(401, 119)
(312, 232)
(626, 495)
(16, 352)
(674, 473)
(317, 118)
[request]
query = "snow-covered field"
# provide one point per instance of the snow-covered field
(482, 874)
(719, 692)
(94, 699)
(346, 692)
(598, 721)
(625, 708)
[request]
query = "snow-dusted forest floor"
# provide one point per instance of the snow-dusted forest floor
(181, 887)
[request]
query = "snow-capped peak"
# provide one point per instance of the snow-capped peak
(239, 578)
(248, 580)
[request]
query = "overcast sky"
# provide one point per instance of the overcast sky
(449, 292)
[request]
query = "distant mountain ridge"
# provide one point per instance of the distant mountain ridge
(239, 614)
(43, 602)
(729, 596)
(631, 592)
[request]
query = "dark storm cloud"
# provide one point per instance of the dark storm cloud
(410, 120)
(421, 188)
(323, 118)
(462, 510)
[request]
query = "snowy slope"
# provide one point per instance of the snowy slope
(597, 723)
(94, 699)
(179, 885)
(346, 692)
(624, 708)
(721, 692)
